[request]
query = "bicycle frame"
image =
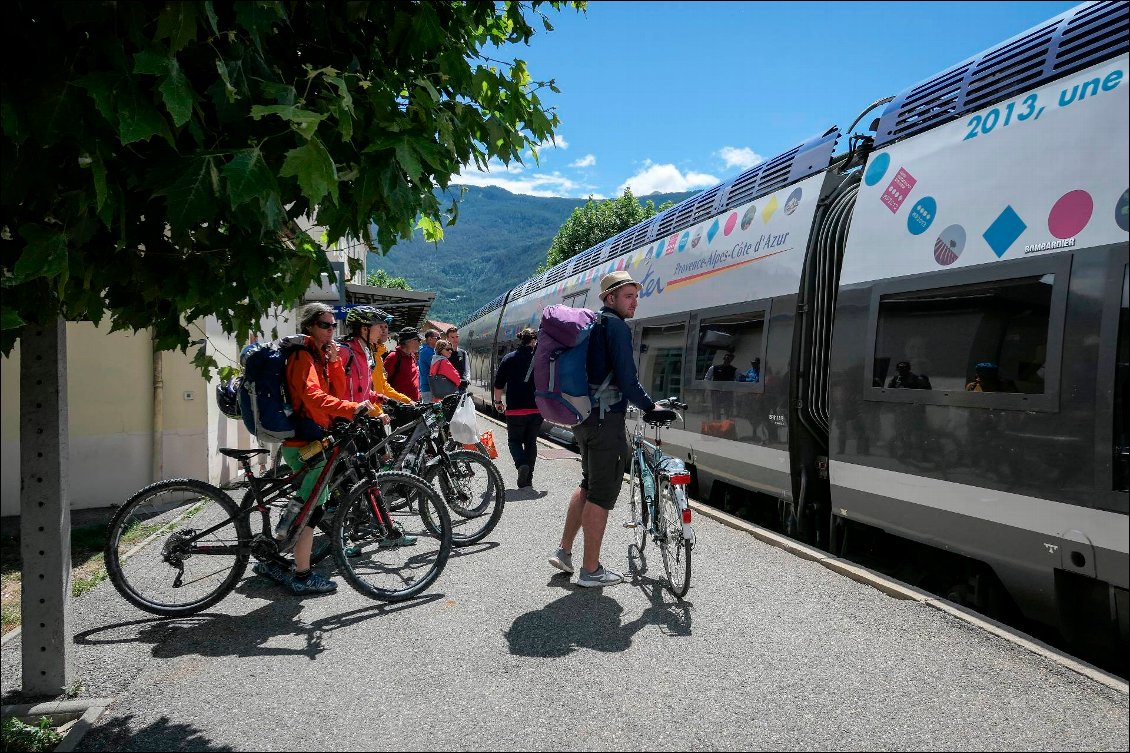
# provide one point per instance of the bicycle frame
(657, 468)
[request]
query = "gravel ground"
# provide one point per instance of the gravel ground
(767, 651)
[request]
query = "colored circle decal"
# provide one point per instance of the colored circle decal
(793, 201)
(697, 237)
(922, 216)
(949, 245)
(1070, 214)
(877, 169)
(684, 239)
(730, 222)
(748, 217)
(1120, 211)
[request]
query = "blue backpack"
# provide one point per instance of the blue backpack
(265, 406)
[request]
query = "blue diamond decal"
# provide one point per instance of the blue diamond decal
(1004, 231)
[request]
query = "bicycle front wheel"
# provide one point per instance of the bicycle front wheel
(674, 549)
(177, 547)
(392, 554)
(473, 489)
(637, 505)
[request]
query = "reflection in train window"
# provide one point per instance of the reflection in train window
(661, 360)
(986, 337)
(729, 348)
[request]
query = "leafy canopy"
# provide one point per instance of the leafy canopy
(156, 156)
(379, 278)
(598, 221)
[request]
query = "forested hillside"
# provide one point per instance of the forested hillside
(498, 242)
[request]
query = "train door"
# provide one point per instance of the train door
(809, 515)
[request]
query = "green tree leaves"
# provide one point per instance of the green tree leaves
(596, 222)
(156, 158)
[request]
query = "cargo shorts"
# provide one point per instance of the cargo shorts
(604, 456)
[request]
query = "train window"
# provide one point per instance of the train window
(661, 359)
(985, 337)
(729, 348)
(576, 300)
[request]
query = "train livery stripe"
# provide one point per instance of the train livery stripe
(1106, 530)
(703, 275)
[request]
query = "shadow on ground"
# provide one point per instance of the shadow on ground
(118, 734)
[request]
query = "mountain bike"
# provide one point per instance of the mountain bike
(469, 482)
(177, 547)
(658, 506)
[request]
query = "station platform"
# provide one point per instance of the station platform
(775, 647)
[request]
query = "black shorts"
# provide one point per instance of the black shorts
(604, 456)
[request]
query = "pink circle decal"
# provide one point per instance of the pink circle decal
(730, 222)
(1070, 214)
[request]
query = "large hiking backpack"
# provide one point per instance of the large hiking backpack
(561, 381)
(265, 406)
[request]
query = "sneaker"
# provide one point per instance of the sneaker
(389, 542)
(316, 583)
(523, 476)
(271, 570)
(563, 561)
(599, 577)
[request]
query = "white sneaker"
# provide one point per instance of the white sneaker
(563, 561)
(599, 577)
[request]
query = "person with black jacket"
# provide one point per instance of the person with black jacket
(603, 436)
(523, 421)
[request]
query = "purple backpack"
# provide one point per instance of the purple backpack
(560, 366)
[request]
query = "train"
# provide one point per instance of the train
(914, 332)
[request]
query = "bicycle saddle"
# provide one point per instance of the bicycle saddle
(660, 416)
(231, 452)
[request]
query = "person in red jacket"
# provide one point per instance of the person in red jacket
(400, 365)
(443, 367)
(315, 380)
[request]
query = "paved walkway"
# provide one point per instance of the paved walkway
(768, 651)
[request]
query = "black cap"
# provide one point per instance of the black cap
(408, 333)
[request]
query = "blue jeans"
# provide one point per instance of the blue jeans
(522, 437)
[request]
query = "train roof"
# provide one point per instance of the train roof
(1072, 41)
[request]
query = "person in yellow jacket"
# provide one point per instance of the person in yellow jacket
(378, 335)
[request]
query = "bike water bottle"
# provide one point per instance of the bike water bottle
(648, 484)
(293, 507)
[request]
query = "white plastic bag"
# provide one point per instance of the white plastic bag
(464, 427)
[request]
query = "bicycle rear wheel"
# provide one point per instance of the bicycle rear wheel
(395, 555)
(473, 488)
(177, 547)
(674, 549)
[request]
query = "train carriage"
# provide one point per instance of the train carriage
(924, 335)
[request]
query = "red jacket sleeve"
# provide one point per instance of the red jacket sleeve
(311, 397)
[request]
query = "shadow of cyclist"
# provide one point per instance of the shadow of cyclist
(584, 619)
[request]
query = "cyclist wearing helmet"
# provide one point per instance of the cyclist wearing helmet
(378, 337)
(356, 352)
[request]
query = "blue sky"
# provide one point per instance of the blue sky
(678, 96)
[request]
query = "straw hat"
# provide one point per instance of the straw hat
(610, 282)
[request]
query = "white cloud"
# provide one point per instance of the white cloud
(740, 157)
(665, 179)
(587, 161)
(497, 174)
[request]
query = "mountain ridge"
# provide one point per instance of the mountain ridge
(497, 243)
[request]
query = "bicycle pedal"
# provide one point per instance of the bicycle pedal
(632, 524)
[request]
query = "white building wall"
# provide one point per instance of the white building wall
(110, 407)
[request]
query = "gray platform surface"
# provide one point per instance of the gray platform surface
(767, 652)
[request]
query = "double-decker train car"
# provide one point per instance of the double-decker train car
(923, 335)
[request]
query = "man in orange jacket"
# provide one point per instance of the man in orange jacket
(315, 380)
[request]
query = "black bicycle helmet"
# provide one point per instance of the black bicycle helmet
(365, 316)
(227, 397)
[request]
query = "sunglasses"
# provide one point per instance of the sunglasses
(324, 325)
